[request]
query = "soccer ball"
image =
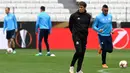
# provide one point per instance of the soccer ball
(9, 50)
(123, 64)
(52, 55)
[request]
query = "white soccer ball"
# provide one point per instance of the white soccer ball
(123, 64)
(53, 55)
(9, 50)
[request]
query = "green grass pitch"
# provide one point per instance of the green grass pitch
(25, 61)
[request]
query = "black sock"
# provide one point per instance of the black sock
(104, 56)
(75, 57)
(13, 49)
(39, 46)
(47, 45)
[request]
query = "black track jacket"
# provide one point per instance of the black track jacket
(79, 23)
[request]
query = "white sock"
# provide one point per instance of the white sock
(48, 52)
(40, 53)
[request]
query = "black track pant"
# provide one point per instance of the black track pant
(107, 46)
(80, 46)
(43, 34)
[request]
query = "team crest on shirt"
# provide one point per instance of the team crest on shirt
(109, 18)
(8, 18)
(103, 19)
(77, 42)
(78, 18)
(106, 19)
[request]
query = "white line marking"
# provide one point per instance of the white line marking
(102, 71)
(106, 70)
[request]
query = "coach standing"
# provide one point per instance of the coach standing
(10, 25)
(78, 25)
(44, 25)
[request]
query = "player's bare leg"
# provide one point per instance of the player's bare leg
(13, 45)
(9, 43)
(100, 50)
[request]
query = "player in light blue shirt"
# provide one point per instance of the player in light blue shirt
(43, 21)
(103, 26)
(44, 25)
(10, 26)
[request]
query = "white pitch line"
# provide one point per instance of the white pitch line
(105, 70)
(102, 71)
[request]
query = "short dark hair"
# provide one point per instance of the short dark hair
(104, 6)
(43, 8)
(82, 4)
(8, 8)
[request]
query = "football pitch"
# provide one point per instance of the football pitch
(25, 61)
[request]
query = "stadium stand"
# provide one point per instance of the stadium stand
(81, 0)
(60, 10)
(120, 9)
(27, 10)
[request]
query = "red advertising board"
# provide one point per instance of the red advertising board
(61, 39)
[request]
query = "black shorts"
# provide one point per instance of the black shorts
(10, 34)
(106, 43)
(43, 34)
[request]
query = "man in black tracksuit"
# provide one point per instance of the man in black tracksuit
(78, 25)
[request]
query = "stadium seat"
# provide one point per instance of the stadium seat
(60, 17)
(11, 5)
(5, 1)
(53, 1)
(48, 11)
(53, 17)
(121, 17)
(103, 1)
(50, 5)
(79, 0)
(34, 1)
(118, 8)
(26, 17)
(93, 1)
(2, 17)
(90, 6)
(55, 11)
(112, 1)
(67, 16)
(15, 1)
(59, 6)
(128, 10)
(22, 11)
(21, 5)
(2, 5)
(32, 5)
(2, 11)
(35, 11)
(64, 11)
(128, 17)
(25, 9)
(48, 1)
(44, 1)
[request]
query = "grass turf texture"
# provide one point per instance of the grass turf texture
(25, 61)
